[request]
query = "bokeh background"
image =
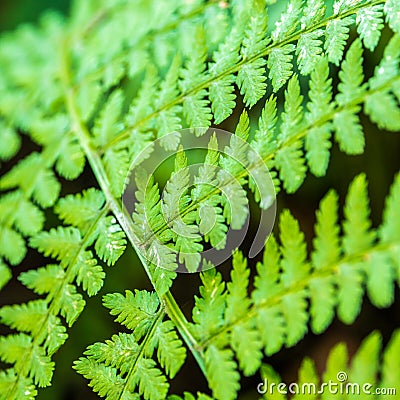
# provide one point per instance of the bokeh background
(380, 162)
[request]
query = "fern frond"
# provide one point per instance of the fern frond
(28, 359)
(280, 65)
(163, 73)
(336, 35)
(251, 78)
(286, 31)
(123, 366)
(358, 374)
(317, 141)
(196, 107)
(25, 390)
(41, 318)
(386, 71)
(288, 281)
(369, 25)
(391, 10)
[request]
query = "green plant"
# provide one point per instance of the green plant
(98, 88)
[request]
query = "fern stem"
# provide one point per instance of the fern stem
(174, 310)
(116, 207)
(207, 82)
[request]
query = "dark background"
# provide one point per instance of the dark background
(380, 162)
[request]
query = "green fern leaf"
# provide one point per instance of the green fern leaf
(336, 35)
(134, 310)
(43, 280)
(152, 383)
(222, 98)
(380, 104)
(326, 242)
(60, 243)
(237, 305)
(116, 164)
(308, 51)
(90, 274)
(346, 123)
(171, 352)
(25, 216)
(115, 352)
(71, 303)
(12, 246)
(290, 162)
(111, 242)
(293, 114)
(10, 141)
(384, 101)
(313, 12)
(25, 389)
(71, 159)
(209, 308)
(163, 278)
(280, 65)
(357, 226)
(143, 104)
(364, 365)
(350, 278)
(5, 274)
(369, 25)
(104, 380)
(87, 97)
(392, 10)
(251, 78)
(80, 210)
(188, 238)
(351, 75)
(222, 94)
(106, 125)
(222, 375)
(251, 81)
(196, 108)
(169, 121)
(35, 179)
(25, 317)
(289, 20)
(13, 349)
(348, 131)
(391, 222)
(307, 376)
(390, 370)
(318, 139)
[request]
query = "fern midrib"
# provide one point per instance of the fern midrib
(118, 210)
(330, 270)
(145, 38)
(235, 68)
(286, 143)
(149, 334)
(53, 303)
